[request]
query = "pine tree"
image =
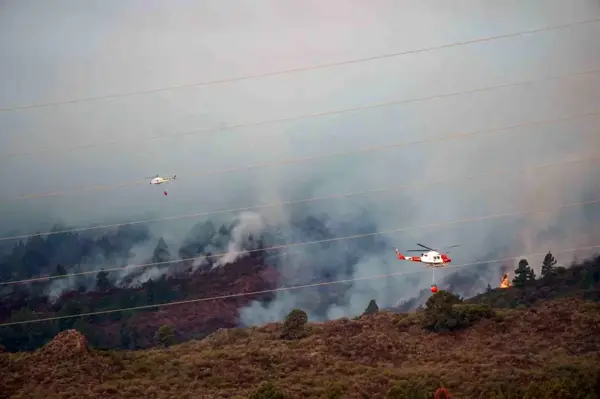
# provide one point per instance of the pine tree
(60, 270)
(523, 274)
(549, 265)
(161, 252)
(150, 292)
(165, 335)
(372, 307)
(102, 282)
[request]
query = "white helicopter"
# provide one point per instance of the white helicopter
(160, 180)
(432, 258)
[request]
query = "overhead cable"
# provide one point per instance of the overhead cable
(300, 117)
(297, 244)
(420, 184)
(298, 160)
(301, 69)
(281, 289)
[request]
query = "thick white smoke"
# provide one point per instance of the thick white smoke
(211, 47)
(249, 224)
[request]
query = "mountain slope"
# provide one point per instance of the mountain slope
(556, 342)
(136, 329)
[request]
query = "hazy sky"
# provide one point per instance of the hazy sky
(61, 50)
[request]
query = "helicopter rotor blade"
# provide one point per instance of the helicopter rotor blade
(426, 247)
(447, 249)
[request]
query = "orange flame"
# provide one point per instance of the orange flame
(505, 283)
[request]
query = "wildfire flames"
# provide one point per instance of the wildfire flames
(505, 283)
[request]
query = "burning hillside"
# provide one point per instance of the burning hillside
(505, 283)
(230, 259)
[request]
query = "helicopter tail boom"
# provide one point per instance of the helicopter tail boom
(409, 258)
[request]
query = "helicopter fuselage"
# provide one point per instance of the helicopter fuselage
(435, 258)
(159, 180)
(430, 258)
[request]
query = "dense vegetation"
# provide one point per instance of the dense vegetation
(131, 329)
(180, 279)
(59, 254)
(546, 329)
(551, 350)
(581, 280)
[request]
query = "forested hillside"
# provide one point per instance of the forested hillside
(91, 273)
(449, 349)
(179, 279)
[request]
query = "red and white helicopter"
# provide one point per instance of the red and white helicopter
(431, 258)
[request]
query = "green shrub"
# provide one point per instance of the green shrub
(504, 391)
(266, 390)
(334, 390)
(470, 314)
(566, 382)
(294, 324)
(445, 312)
(408, 390)
(439, 315)
(297, 318)
(408, 320)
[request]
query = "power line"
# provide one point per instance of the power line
(297, 287)
(302, 69)
(425, 183)
(302, 117)
(297, 244)
(290, 161)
